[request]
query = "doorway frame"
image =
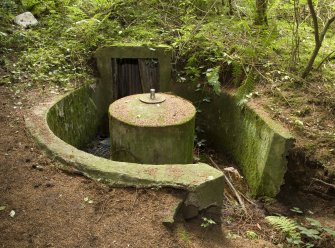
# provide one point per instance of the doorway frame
(104, 56)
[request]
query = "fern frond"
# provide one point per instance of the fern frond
(237, 73)
(247, 85)
(212, 75)
(285, 225)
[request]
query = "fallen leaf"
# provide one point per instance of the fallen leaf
(233, 170)
(299, 123)
(12, 213)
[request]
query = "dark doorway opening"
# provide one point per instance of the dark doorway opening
(134, 76)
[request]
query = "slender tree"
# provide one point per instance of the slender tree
(295, 35)
(318, 37)
(261, 12)
(230, 5)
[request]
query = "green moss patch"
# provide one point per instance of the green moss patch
(75, 119)
(255, 142)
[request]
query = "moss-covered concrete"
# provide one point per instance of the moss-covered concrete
(152, 133)
(254, 141)
(75, 118)
(203, 183)
(105, 55)
(173, 111)
(155, 145)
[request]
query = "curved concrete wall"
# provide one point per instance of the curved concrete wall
(76, 118)
(63, 125)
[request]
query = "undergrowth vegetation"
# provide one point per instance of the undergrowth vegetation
(205, 36)
(307, 233)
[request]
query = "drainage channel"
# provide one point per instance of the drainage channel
(100, 146)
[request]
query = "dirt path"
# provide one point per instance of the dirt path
(54, 209)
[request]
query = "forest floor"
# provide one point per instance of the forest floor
(56, 209)
(307, 109)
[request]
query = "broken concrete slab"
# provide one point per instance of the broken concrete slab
(172, 214)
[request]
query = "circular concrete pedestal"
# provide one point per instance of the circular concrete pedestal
(158, 133)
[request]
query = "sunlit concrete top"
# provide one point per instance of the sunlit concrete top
(173, 110)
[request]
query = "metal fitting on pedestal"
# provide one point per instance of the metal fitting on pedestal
(152, 94)
(152, 97)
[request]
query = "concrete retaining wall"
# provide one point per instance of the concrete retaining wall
(255, 142)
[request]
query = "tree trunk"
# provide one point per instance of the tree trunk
(311, 61)
(318, 37)
(230, 4)
(261, 15)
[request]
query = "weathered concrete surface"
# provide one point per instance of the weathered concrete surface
(76, 118)
(204, 183)
(104, 57)
(254, 141)
(152, 133)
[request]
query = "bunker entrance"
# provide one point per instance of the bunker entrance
(134, 76)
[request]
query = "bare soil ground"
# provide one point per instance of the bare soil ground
(55, 209)
(307, 109)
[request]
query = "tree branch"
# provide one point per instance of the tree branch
(323, 182)
(325, 29)
(315, 21)
(231, 186)
(324, 60)
(317, 36)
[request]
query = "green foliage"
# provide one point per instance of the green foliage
(317, 225)
(38, 7)
(202, 36)
(247, 85)
(237, 73)
(251, 234)
(29, 4)
(9, 5)
(192, 69)
(182, 233)
(287, 226)
(207, 222)
(7, 10)
(300, 234)
(52, 64)
(296, 210)
(212, 76)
